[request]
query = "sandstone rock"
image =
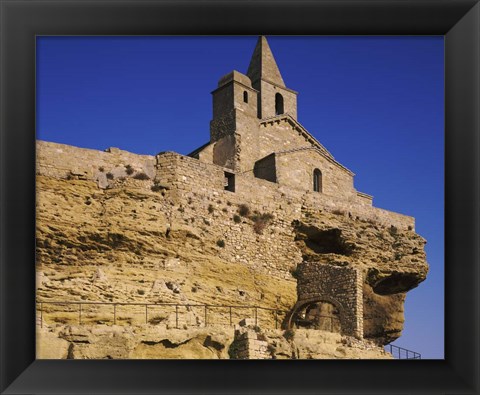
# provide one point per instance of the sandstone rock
(102, 180)
(172, 286)
(158, 285)
(117, 342)
(50, 346)
(41, 279)
(171, 262)
(76, 334)
(326, 239)
(100, 276)
(122, 234)
(246, 322)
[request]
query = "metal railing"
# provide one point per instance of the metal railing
(207, 310)
(402, 353)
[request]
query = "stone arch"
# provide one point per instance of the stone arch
(318, 299)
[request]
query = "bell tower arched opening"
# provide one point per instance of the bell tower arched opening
(278, 104)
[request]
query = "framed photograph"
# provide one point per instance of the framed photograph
(179, 241)
(325, 290)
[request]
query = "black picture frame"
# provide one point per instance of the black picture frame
(21, 21)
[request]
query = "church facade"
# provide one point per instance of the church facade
(255, 131)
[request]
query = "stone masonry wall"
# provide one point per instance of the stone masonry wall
(297, 201)
(241, 85)
(222, 101)
(248, 343)
(184, 173)
(225, 152)
(247, 141)
(268, 91)
(60, 160)
(65, 161)
(202, 198)
(363, 198)
(266, 169)
(202, 202)
(296, 170)
(342, 286)
(230, 107)
(278, 136)
(223, 125)
(196, 198)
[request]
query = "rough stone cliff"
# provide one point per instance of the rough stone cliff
(119, 234)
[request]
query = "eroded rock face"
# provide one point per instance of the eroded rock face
(392, 261)
(134, 242)
(383, 316)
(153, 342)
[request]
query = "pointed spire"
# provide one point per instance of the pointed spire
(263, 65)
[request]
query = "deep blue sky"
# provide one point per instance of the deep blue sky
(376, 103)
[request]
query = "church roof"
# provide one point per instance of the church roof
(263, 65)
(315, 144)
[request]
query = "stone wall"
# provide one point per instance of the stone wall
(239, 130)
(295, 201)
(266, 168)
(66, 161)
(296, 170)
(197, 198)
(278, 135)
(268, 90)
(249, 343)
(185, 173)
(230, 94)
(225, 152)
(363, 198)
(157, 342)
(341, 286)
(201, 200)
(247, 141)
(223, 125)
(354, 209)
(242, 84)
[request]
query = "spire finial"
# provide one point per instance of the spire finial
(263, 65)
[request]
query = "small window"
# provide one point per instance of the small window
(245, 96)
(229, 184)
(278, 104)
(317, 180)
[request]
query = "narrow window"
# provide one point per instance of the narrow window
(229, 182)
(245, 96)
(317, 180)
(278, 104)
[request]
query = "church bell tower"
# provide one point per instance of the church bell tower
(274, 98)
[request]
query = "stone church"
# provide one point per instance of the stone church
(255, 131)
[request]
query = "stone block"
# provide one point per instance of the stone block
(247, 322)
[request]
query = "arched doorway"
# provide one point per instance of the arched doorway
(320, 315)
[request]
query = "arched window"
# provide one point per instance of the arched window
(278, 104)
(245, 96)
(317, 180)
